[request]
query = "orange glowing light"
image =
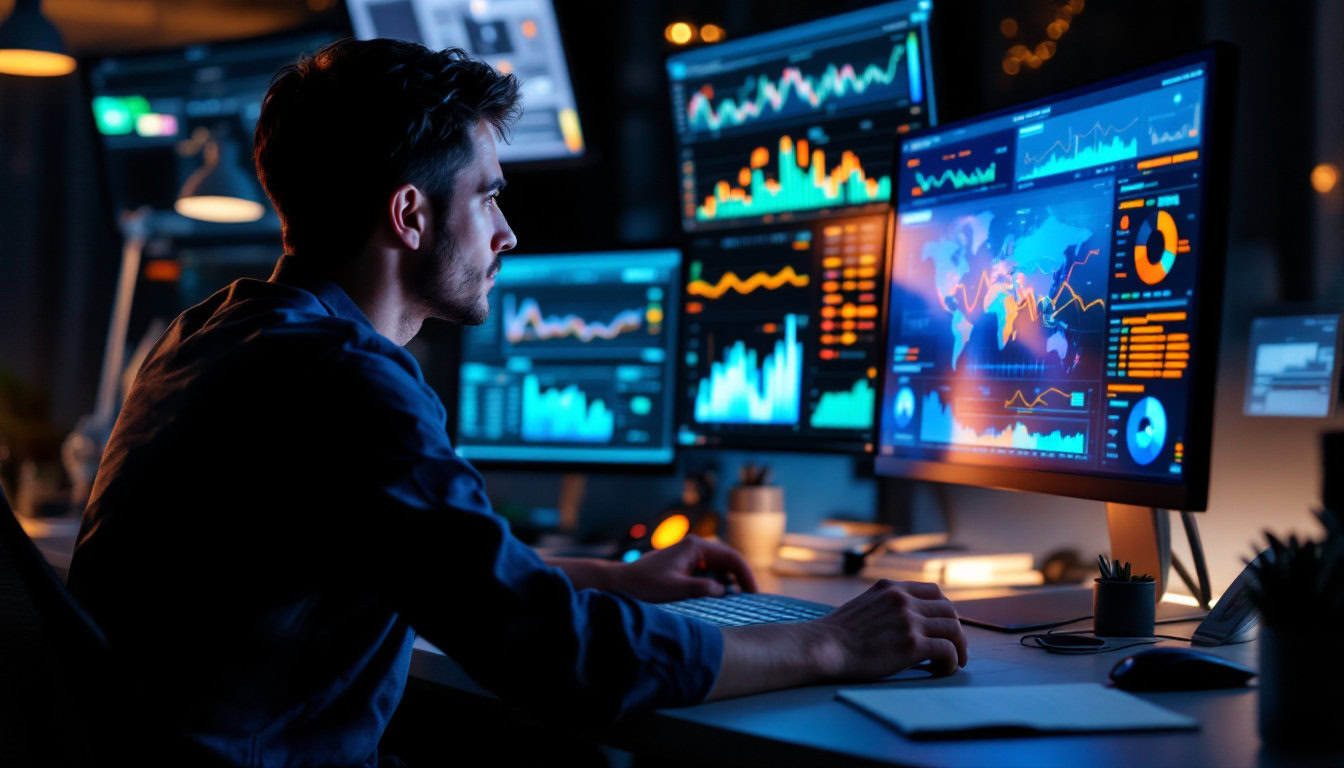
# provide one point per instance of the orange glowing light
(670, 531)
(1008, 27)
(1324, 177)
(638, 530)
(530, 31)
(712, 33)
(679, 33)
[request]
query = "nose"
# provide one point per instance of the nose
(503, 239)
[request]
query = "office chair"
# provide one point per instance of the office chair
(53, 662)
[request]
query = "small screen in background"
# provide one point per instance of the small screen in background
(1292, 369)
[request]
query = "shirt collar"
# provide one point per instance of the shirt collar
(291, 271)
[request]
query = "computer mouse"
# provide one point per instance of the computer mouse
(1177, 669)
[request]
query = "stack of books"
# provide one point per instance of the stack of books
(955, 567)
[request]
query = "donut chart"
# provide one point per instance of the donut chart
(904, 407)
(1149, 271)
(1146, 431)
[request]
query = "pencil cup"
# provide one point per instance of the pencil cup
(1123, 608)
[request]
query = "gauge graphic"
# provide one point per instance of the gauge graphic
(1146, 431)
(1149, 271)
(905, 407)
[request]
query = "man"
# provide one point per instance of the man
(279, 509)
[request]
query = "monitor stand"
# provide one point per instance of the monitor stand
(1140, 536)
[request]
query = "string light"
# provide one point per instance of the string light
(1020, 55)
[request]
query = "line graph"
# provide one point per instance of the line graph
(1075, 399)
(1029, 300)
(939, 424)
(731, 282)
(958, 178)
(1081, 150)
(524, 321)
(873, 73)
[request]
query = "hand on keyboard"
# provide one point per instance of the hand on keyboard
(685, 570)
(892, 626)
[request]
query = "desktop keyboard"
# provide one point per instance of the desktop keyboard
(741, 609)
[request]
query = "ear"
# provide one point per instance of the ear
(409, 215)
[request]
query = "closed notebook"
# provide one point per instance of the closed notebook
(1010, 710)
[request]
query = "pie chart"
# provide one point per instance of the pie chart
(905, 407)
(1146, 431)
(1149, 271)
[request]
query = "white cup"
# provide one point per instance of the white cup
(755, 522)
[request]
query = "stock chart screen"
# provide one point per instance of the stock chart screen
(780, 343)
(1045, 282)
(575, 362)
(798, 123)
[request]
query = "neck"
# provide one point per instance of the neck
(375, 285)
(374, 282)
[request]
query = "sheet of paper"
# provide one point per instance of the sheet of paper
(1012, 709)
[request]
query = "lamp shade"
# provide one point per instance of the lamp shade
(219, 191)
(32, 46)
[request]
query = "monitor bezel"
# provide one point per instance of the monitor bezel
(1191, 492)
(665, 467)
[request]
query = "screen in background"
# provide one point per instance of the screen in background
(513, 36)
(575, 362)
(1048, 275)
(1293, 366)
(780, 344)
(154, 111)
(799, 122)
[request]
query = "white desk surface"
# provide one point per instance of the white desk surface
(808, 726)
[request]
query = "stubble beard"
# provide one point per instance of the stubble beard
(453, 286)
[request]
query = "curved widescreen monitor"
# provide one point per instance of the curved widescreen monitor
(1056, 288)
(575, 363)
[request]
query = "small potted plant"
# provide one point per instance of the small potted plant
(1299, 594)
(1123, 604)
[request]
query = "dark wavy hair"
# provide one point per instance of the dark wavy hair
(341, 129)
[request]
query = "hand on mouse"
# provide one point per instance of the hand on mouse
(670, 574)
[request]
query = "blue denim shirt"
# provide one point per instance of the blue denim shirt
(279, 511)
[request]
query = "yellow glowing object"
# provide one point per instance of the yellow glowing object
(1324, 177)
(26, 63)
(217, 208)
(670, 531)
(679, 33)
(569, 129)
(711, 33)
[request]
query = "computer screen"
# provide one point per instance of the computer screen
(799, 122)
(785, 143)
(1294, 368)
(514, 36)
(575, 363)
(154, 113)
(1055, 292)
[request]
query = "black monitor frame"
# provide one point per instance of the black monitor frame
(1191, 493)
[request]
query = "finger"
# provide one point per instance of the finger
(922, 590)
(941, 653)
(949, 629)
(938, 609)
(720, 557)
(695, 587)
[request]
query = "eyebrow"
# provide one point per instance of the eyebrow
(496, 184)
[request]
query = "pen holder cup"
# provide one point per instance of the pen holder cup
(1123, 608)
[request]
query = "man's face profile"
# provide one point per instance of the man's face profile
(455, 278)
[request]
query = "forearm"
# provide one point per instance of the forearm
(586, 572)
(766, 657)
